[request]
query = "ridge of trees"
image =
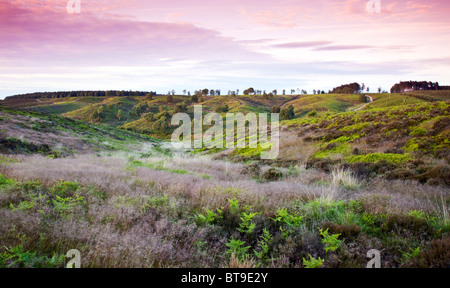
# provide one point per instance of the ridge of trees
(409, 86)
(68, 94)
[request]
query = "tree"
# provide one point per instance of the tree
(222, 109)
(348, 89)
(180, 108)
(99, 113)
(275, 109)
(287, 113)
(184, 92)
(249, 91)
(161, 125)
(212, 92)
(379, 89)
(119, 115)
(205, 92)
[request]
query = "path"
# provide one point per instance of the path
(362, 107)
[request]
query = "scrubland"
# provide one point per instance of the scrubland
(345, 183)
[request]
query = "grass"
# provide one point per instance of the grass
(128, 200)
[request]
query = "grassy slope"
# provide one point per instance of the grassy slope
(53, 135)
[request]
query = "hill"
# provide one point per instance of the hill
(128, 200)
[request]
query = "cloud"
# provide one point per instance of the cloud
(343, 47)
(52, 36)
(306, 44)
(287, 17)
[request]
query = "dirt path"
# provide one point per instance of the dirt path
(362, 107)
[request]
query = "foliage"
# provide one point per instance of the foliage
(263, 245)
(312, 262)
(210, 218)
(236, 247)
(331, 242)
(247, 225)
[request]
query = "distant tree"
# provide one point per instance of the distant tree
(237, 91)
(212, 92)
(287, 113)
(249, 91)
(275, 92)
(184, 92)
(368, 89)
(314, 91)
(222, 109)
(180, 108)
(205, 92)
(99, 113)
(379, 89)
(275, 109)
(161, 125)
(119, 115)
(195, 98)
(348, 89)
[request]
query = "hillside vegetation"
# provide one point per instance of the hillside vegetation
(73, 177)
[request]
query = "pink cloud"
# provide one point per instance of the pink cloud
(54, 36)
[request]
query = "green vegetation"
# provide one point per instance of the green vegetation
(325, 202)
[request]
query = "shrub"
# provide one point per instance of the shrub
(210, 218)
(64, 188)
(236, 247)
(312, 262)
(263, 245)
(346, 231)
(247, 225)
(287, 113)
(331, 242)
(272, 174)
(437, 255)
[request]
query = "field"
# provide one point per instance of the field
(77, 174)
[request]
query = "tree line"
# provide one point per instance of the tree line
(409, 86)
(67, 94)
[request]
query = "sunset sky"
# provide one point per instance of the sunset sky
(159, 45)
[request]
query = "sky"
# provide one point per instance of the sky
(160, 45)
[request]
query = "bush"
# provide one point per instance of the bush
(287, 113)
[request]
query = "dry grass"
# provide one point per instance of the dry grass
(124, 225)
